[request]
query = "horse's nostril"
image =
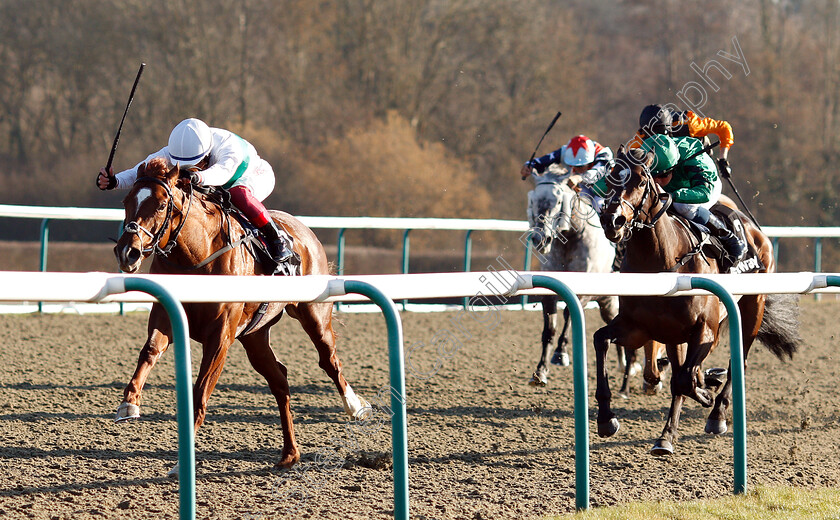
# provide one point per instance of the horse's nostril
(132, 256)
(619, 221)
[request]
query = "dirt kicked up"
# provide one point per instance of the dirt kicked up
(482, 443)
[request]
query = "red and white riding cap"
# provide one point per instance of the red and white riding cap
(579, 151)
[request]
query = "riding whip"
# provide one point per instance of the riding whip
(119, 130)
(728, 179)
(743, 204)
(547, 130)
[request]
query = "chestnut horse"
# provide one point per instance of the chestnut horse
(688, 325)
(184, 229)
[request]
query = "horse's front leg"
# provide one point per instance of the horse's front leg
(607, 423)
(214, 353)
(685, 382)
(156, 344)
(549, 313)
(561, 353)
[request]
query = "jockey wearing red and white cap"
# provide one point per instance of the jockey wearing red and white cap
(224, 159)
(588, 161)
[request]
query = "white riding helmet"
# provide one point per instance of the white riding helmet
(580, 150)
(189, 142)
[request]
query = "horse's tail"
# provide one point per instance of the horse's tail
(779, 330)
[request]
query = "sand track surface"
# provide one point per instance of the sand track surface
(482, 443)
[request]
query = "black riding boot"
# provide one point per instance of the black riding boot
(278, 246)
(735, 246)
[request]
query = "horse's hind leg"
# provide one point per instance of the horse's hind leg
(156, 344)
(752, 311)
(263, 360)
(316, 320)
(654, 365)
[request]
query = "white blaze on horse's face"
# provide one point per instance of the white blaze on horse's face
(141, 195)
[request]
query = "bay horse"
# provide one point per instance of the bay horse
(688, 325)
(566, 235)
(186, 230)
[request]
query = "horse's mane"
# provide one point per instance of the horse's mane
(633, 156)
(157, 167)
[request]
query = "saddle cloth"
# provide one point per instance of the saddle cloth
(751, 263)
(260, 253)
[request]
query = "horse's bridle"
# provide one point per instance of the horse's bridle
(135, 228)
(642, 218)
(558, 181)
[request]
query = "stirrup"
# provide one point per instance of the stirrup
(282, 253)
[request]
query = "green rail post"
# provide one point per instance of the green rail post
(581, 391)
(396, 359)
(776, 250)
(406, 247)
(736, 365)
(183, 390)
(467, 259)
(817, 260)
(45, 235)
(340, 251)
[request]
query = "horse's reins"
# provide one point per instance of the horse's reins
(558, 182)
(667, 200)
(647, 221)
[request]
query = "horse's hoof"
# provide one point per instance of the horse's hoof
(288, 460)
(356, 407)
(714, 377)
(609, 428)
(364, 412)
(662, 448)
(715, 427)
(127, 411)
(536, 380)
(649, 389)
(173, 473)
(561, 359)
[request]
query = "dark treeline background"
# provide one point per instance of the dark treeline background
(417, 108)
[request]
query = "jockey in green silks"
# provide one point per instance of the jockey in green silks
(693, 182)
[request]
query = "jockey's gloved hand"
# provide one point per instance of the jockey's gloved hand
(106, 180)
(192, 176)
(723, 166)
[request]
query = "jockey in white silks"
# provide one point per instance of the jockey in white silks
(218, 158)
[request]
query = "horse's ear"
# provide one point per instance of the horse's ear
(174, 172)
(621, 149)
(649, 158)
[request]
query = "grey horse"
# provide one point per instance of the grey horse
(566, 235)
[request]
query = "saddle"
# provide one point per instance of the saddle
(253, 240)
(710, 245)
(259, 250)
